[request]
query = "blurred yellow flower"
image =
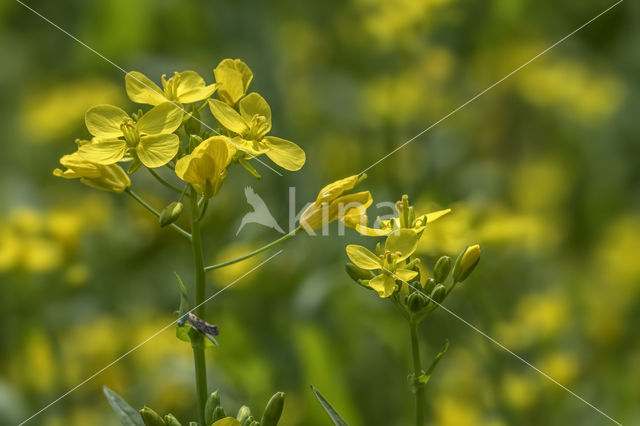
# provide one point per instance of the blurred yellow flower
(184, 87)
(151, 138)
(519, 391)
(562, 366)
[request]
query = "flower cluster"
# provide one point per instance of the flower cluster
(169, 134)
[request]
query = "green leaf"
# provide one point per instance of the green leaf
(128, 415)
(333, 414)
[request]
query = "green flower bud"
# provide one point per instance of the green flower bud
(466, 263)
(151, 418)
(170, 420)
(438, 293)
(243, 414)
(249, 421)
(442, 269)
(219, 413)
(212, 403)
(171, 213)
(430, 285)
(416, 302)
(192, 121)
(357, 273)
(273, 411)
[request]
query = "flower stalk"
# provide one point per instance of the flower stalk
(417, 372)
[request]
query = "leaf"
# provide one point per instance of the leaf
(333, 414)
(127, 415)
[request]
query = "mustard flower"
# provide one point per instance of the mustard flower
(206, 167)
(398, 247)
(116, 134)
(251, 126)
(184, 88)
(233, 78)
(105, 177)
(331, 204)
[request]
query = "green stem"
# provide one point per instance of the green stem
(255, 252)
(146, 205)
(197, 341)
(417, 372)
(164, 182)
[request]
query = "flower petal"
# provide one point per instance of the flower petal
(107, 151)
(157, 150)
(405, 274)
(142, 90)
(104, 121)
(335, 189)
(195, 168)
(363, 257)
(253, 104)
(192, 87)
(284, 153)
(233, 77)
(228, 117)
(163, 118)
(384, 284)
(403, 241)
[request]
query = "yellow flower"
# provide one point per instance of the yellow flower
(233, 78)
(398, 247)
(251, 125)
(105, 177)
(331, 204)
(359, 223)
(184, 87)
(206, 167)
(150, 138)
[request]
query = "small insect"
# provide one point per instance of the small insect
(209, 330)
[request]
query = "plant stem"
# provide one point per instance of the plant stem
(164, 182)
(156, 213)
(255, 252)
(197, 342)
(417, 372)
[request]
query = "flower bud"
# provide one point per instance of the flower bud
(192, 121)
(416, 302)
(442, 269)
(356, 273)
(430, 285)
(212, 403)
(151, 418)
(219, 413)
(466, 263)
(243, 414)
(273, 411)
(171, 213)
(170, 420)
(438, 293)
(249, 421)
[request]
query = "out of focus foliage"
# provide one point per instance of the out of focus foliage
(542, 171)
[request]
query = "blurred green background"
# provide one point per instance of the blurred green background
(542, 171)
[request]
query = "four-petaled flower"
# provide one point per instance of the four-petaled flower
(251, 125)
(331, 204)
(183, 88)
(115, 133)
(206, 167)
(106, 178)
(360, 222)
(398, 247)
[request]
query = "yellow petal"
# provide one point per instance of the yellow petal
(227, 421)
(163, 118)
(76, 167)
(103, 151)
(253, 104)
(233, 77)
(142, 90)
(157, 150)
(369, 232)
(195, 168)
(192, 87)
(104, 121)
(254, 148)
(384, 284)
(422, 221)
(363, 257)
(217, 147)
(336, 189)
(228, 117)
(403, 241)
(405, 274)
(284, 153)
